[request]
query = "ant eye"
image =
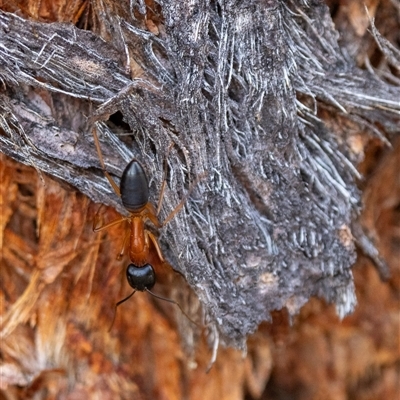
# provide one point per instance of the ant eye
(141, 278)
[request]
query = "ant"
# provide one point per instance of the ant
(144, 250)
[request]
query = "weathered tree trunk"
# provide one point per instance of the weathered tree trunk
(258, 118)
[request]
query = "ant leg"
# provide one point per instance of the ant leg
(97, 220)
(150, 236)
(175, 210)
(121, 253)
(150, 213)
(108, 225)
(160, 199)
(100, 154)
(162, 190)
(183, 201)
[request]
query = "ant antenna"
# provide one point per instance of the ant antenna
(156, 296)
(116, 305)
(172, 302)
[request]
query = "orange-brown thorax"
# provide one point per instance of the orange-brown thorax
(140, 237)
(139, 242)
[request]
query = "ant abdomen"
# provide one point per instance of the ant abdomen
(134, 187)
(141, 278)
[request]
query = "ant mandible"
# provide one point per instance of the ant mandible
(134, 193)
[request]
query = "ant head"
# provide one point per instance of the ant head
(141, 278)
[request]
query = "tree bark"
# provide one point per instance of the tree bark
(256, 116)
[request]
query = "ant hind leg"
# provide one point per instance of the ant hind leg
(100, 154)
(162, 190)
(184, 199)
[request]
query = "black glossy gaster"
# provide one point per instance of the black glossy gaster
(134, 187)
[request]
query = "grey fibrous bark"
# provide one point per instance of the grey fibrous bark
(242, 90)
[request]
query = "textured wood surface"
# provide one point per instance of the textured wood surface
(59, 281)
